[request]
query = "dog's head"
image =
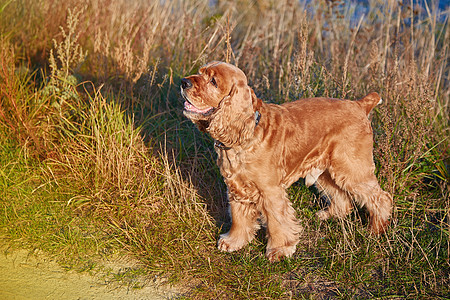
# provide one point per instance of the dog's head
(220, 102)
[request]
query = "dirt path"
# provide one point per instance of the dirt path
(25, 276)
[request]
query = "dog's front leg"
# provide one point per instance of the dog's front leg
(244, 217)
(283, 228)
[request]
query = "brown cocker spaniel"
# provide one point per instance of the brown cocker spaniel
(263, 148)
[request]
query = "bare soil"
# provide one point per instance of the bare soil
(25, 275)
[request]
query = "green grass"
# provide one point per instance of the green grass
(97, 160)
(35, 213)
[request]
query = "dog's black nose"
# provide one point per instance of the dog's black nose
(186, 84)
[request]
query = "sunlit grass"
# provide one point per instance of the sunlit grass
(96, 158)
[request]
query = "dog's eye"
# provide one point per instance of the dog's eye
(213, 81)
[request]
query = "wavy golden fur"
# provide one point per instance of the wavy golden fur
(263, 148)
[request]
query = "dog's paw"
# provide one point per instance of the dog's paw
(230, 243)
(323, 214)
(378, 225)
(276, 254)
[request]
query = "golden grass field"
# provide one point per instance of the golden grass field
(97, 159)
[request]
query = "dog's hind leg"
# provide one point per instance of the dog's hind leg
(352, 169)
(361, 183)
(340, 202)
(378, 203)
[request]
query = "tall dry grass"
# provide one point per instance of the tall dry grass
(90, 89)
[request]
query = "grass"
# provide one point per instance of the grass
(96, 158)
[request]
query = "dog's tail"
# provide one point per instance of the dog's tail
(369, 102)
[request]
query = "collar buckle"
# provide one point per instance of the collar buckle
(257, 117)
(220, 145)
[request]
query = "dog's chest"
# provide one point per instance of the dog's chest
(240, 183)
(230, 162)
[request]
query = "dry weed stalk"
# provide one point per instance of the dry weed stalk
(69, 56)
(20, 110)
(69, 51)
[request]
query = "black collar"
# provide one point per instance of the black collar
(221, 146)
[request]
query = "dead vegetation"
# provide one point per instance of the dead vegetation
(89, 105)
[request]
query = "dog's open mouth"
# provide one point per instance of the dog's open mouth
(189, 107)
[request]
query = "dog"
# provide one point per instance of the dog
(263, 148)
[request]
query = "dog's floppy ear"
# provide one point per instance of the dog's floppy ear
(234, 122)
(256, 102)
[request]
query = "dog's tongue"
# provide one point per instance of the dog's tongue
(188, 106)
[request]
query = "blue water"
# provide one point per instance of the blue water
(357, 8)
(443, 5)
(362, 6)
